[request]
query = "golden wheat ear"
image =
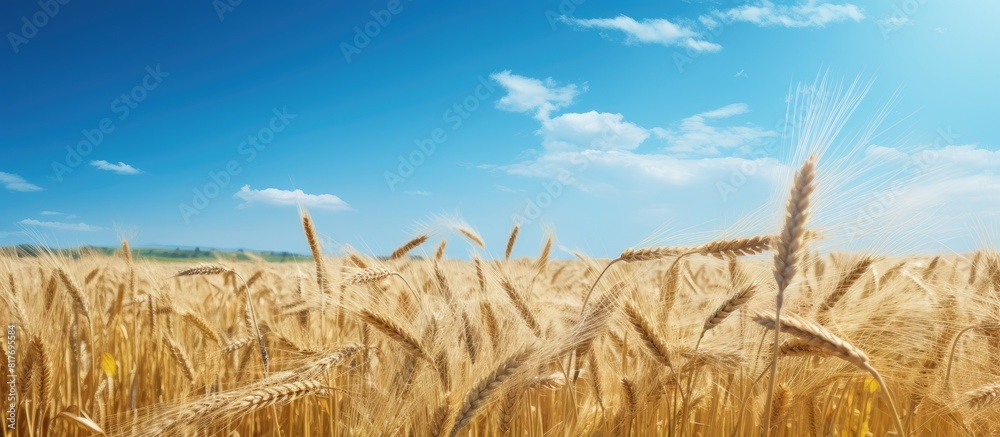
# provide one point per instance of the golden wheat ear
(401, 251)
(818, 336)
(511, 240)
(487, 389)
(981, 397)
(215, 269)
(787, 248)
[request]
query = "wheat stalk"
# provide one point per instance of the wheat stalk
(181, 358)
(818, 336)
(370, 275)
(439, 252)
(508, 408)
(782, 400)
(487, 388)
(731, 305)
(396, 332)
(471, 235)
(982, 396)
(718, 249)
(511, 240)
(199, 322)
(248, 308)
(521, 305)
(845, 283)
(650, 339)
(80, 301)
(786, 253)
(401, 251)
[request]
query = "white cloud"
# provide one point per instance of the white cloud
(274, 196)
(894, 22)
(809, 13)
(591, 130)
(726, 111)
(525, 94)
(649, 31)
(606, 147)
(695, 134)
(615, 166)
(955, 196)
(938, 191)
(14, 182)
(968, 155)
(418, 193)
(61, 226)
(600, 130)
(883, 153)
(64, 215)
(708, 21)
(119, 168)
(504, 188)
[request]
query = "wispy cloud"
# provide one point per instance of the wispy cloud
(5, 234)
(119, 168)
(14, 182)
(606, 147)
(601, 170)
(945, 189)
(591, 130)
(57, 213)
(61, 226)
(809, 13)
(418, 193)
(525, 94)
(274, 196)
(696, 136)
(599, 130)
(895, 22)
(648, 31)
(892, 24)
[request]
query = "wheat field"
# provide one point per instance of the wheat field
(673, 341)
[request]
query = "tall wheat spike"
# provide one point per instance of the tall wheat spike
(511, 240)
(787, 254)
(401, 251)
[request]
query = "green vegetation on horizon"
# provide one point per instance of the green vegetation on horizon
(167, 255)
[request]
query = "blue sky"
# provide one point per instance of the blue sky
(612, 123)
